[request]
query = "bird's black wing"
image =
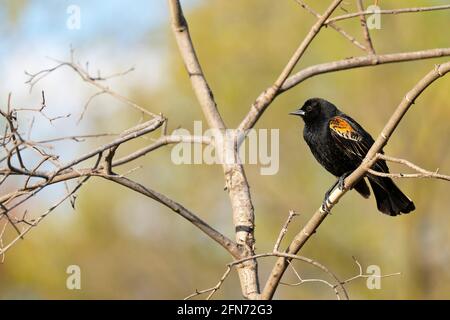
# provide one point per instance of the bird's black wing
(353, 140)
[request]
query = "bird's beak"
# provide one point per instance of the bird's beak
(298, 112)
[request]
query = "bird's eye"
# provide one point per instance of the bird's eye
(308, 108)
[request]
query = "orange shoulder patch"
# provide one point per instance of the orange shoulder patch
(341, 126)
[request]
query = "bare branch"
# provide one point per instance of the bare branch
(303, 46)
(163, 141)
(130, 134)
(303, 281)
(394, 11)
(86, 77)
(422, 173)
(363, 61)
(366, 32)
(289, 257)
(35, 222)
(212, 290)
(338, 283)
(284, 229)
(88, 102)
(361, 274)
(334, 26)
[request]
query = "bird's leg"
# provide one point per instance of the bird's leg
(340, 184)
(327, 194)
(326, 203)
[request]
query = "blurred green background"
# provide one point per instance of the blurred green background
(128, 246)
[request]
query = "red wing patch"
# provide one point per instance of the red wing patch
(344, 129)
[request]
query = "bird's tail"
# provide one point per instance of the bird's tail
(390, 199)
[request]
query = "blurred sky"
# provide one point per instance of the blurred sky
(44, 21)
(40, 30)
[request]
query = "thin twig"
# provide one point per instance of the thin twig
(422, 173)
(393, 11)
(366, 32)
(284, 229)
(34, 78)
(334, 26)
(212, 290)
(338, 283)
(361, 274)
(303, 281)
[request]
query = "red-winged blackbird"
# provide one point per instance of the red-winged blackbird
(340, 144)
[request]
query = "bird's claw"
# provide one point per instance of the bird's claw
(341, 181)
(326, 205)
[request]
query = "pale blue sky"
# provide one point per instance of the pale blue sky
(117, 21)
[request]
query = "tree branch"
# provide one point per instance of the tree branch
(359, 62)
(338, 283)
(366, 32)
(394, 11)
(86, 77)
(163, 141)
(334, 26)
(422, 173)
(284, 230)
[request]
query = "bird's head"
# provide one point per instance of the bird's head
(315, 108)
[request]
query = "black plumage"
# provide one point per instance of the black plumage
(340, 144)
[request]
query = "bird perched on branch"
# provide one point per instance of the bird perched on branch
(340, 144)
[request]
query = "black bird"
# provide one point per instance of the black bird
(340, 144)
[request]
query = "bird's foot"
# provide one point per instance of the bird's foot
(326, 204)
(327, 194)
(341, 181)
